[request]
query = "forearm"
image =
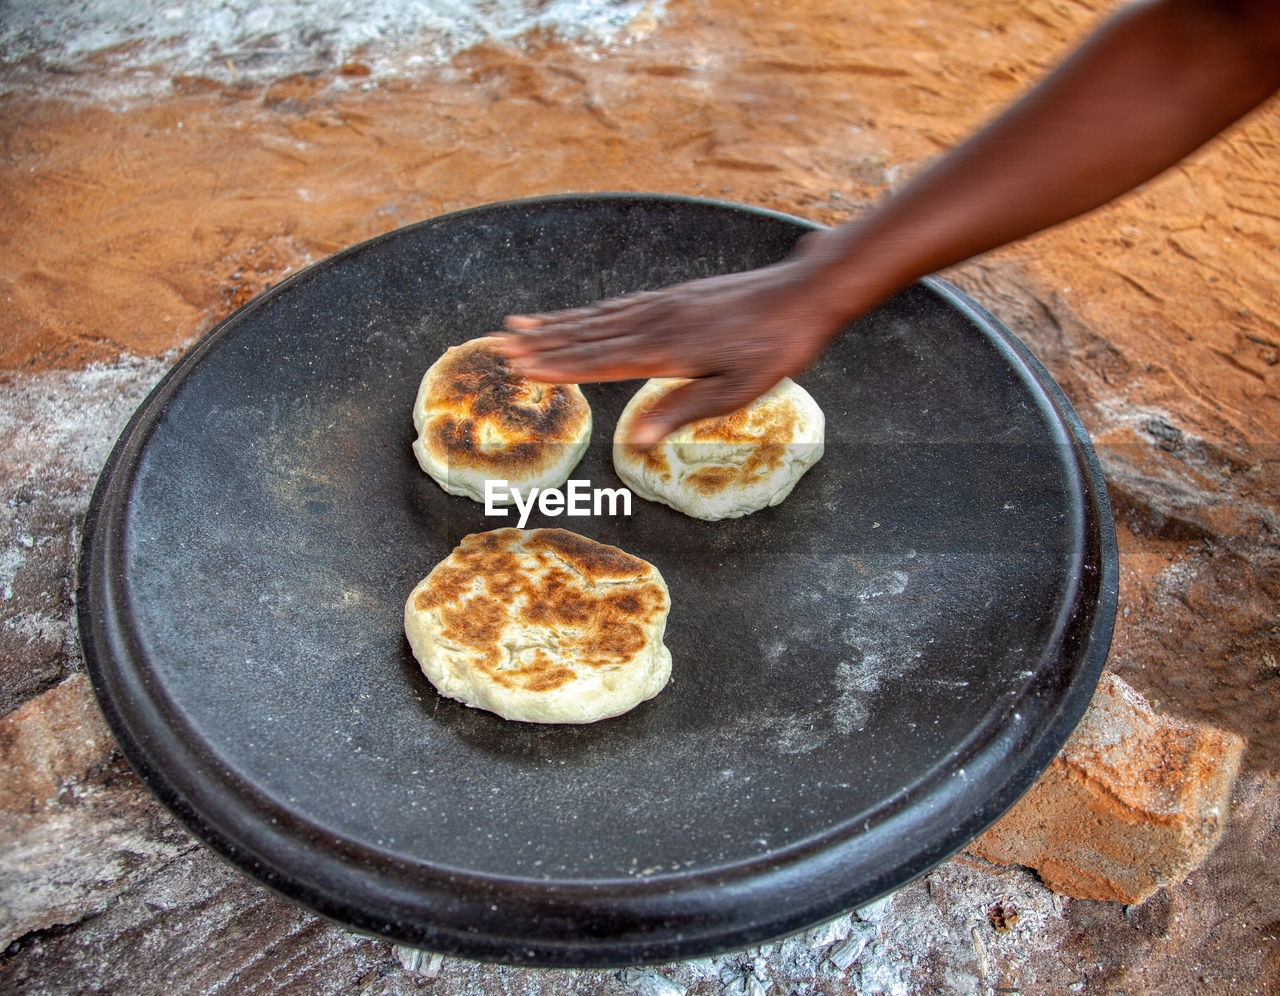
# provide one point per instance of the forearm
(1155, 83)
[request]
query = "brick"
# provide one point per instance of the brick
(1133, 802)
(55, 740)
(76, 831)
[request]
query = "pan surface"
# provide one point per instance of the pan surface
(865, 676)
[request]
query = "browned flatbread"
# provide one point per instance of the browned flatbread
(541, 625)
(478, 420)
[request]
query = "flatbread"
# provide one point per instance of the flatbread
(541, 625)
(477, 420)
(720, 468)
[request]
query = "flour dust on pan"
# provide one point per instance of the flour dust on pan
(864, 676)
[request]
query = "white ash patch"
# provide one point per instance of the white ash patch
(1170, 479)
(1158, 433)
(33, 626)
(1156, 427)
(65, 863)
(1174, 582)
(647, 982)
(946, 927)
(12, 559)
(965, 927)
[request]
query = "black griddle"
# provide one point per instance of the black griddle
(865, 676)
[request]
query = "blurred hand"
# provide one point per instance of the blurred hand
(735, 335)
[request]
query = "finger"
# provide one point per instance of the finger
(704, 397)
(509, 345)
(519, 343)
(570, 316)
(616, 359)
(512, 344)
(536, 335)
(567, 333)
(531, 323)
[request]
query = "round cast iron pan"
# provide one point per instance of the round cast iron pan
(866, 676)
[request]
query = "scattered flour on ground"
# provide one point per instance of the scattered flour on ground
(56, 432)
(64, 425)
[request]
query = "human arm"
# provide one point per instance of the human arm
(1158, 80)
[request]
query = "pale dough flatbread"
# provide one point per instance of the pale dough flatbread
(720, 468)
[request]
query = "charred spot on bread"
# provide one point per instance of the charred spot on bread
(593, 560)
(596, 624)
(478, 420)
(476, 378)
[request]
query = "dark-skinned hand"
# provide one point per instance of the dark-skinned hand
(735, 336)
